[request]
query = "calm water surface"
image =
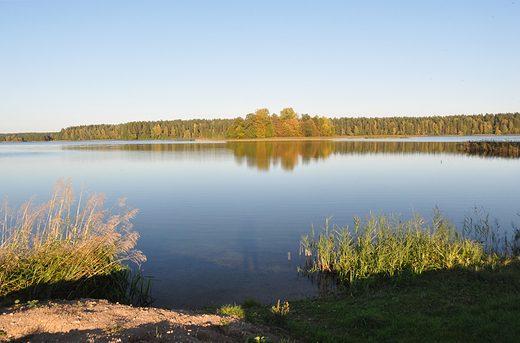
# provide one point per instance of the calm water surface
(218, 220)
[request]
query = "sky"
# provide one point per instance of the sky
(72, 62)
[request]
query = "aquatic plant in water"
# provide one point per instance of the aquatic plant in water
(384, 245)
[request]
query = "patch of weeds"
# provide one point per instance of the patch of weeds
(30, 304)
(33, 304)
(279, 313)
(256, 312)
(114, 329)
(232, 310)
(281, 309)
(258, 340)
(15, 306)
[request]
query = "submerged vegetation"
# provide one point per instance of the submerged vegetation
(58, 250)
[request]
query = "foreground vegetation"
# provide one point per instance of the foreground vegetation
(56, 251)
(288, 123)
(383, 246)
(382, 280)
(403, 282)
(447, 305)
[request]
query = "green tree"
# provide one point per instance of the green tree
(250, 126)
(287, 114)
(264, 128)
(277, 126)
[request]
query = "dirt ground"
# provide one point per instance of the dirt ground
(90, 320)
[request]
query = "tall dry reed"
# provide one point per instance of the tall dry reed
(64, 249)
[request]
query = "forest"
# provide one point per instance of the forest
(288, 123)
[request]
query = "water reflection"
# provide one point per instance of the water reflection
(263, 155)
(159, 146)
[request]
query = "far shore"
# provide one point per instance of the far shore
(272, 139)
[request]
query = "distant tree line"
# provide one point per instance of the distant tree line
(167, 129)
(27, 137)
(498, 124)
(263, 124)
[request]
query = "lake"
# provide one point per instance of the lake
(221, 222)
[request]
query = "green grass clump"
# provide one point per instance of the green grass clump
(383, 246)
(233, 311)
(56, 250)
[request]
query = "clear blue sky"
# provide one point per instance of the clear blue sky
(66, 63)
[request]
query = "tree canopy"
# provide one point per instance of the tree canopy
(288, 123)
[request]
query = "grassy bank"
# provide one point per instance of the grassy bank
(65, 250)
(403, 282)
(450, 305)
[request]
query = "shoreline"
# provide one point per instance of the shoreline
(273, 139)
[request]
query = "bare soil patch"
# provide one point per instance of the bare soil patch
(90, 320)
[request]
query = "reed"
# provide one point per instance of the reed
(499, 148)
(60, 249)
(384, 245)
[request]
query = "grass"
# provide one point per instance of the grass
(382, 246)
(232, 311)
(461, 304)
(465, 289)
(450, 305)
(58, 250)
